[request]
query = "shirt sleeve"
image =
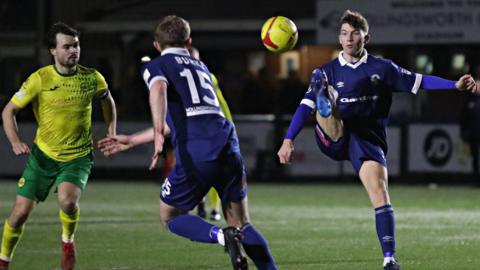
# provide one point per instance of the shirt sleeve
(102, 86)
(436, 83)
(402, 80)
(151, 73)
(28, 91)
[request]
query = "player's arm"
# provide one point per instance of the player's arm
(286, 150)
(11, 129)
(113, 144)
(406, 81)
(158, 108)
(464, 83)
(304, 110)
(109, 113)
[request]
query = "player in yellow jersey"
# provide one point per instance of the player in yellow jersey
(121, 143)
(61, 156)
(212, 193)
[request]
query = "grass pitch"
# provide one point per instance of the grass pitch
(308, 227)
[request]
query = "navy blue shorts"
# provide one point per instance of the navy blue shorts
(349, 147)
(191, 179)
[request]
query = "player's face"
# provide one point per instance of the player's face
(67, 52)
(352, 40)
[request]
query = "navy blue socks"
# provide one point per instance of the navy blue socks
(385, 222)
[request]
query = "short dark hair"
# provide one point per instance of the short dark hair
(60, 27)
(172, 31)
(355, 19)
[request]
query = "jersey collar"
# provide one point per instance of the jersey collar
(344, 62)
(176, 50)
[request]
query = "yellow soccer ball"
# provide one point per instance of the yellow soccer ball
(279, 34)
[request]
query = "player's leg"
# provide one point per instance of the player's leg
(235, 209)
(32, 187)
(13, 228)
(69, 214)
(181, 192)
(215, 204)
(71, 180)
(327, 114)
(192, 227)
(240, 229)
(201, 212)
(332, 125)
(375, 180)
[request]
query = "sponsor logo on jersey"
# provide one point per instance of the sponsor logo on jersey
(358, 99)
(21, 182)
(146, 75)
(340, 84)
(375, 79)
(20, 94)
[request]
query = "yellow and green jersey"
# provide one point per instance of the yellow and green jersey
(221, 99)
(62, 105)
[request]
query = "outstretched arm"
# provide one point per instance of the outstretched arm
(113, 144)
(11, 129)
(465, 83)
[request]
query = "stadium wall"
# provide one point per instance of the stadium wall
(413, 149)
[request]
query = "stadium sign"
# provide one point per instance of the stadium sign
(437, 148)
(405, 21)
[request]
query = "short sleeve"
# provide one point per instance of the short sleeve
(151, 73)
(102, 86)
(28, 91)
(402, 80)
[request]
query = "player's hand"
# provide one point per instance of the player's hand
(20, 148)
(476, 90)
(159, 140)
(466, 83)
(113, 144)
(285, 152)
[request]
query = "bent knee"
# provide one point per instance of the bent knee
(68, 206)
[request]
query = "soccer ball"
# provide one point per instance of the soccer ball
(279, 34)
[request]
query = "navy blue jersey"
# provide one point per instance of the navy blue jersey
(193, 113)
(365, 93)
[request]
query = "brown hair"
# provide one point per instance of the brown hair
(355, 19)
(172, 31)
(60, 27)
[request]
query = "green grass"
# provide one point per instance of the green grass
(308, 227)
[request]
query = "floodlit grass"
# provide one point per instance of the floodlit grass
(308, 227)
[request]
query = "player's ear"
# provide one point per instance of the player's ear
(188, 42)
(157, 46)
(367, 38)
(52, 51)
